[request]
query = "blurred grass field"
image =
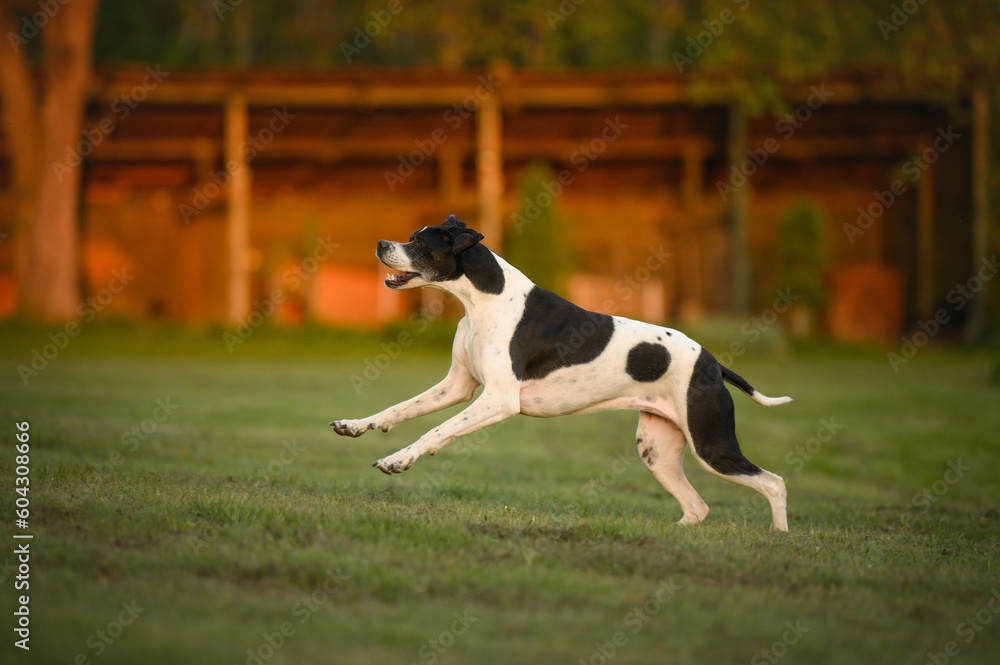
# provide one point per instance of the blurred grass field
(247, 532)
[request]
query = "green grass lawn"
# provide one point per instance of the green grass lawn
(240, 529)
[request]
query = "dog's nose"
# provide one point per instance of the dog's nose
(383, 245)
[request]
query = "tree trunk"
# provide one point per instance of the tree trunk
(21, 128)
(48, 266)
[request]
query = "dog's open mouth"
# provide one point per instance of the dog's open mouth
(399, 278)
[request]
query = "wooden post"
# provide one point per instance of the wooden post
(237, 207)
(925, 243)
(449, 176)
(980, 201)
(736, 153)
(489, 163)
(693, 174)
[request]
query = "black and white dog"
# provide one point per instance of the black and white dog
(538, 354)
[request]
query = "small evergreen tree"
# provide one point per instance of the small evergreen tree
(802, 253)
(535, 240)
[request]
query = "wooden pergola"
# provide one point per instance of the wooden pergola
(236, 93)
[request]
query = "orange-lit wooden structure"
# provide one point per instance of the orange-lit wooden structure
(216, 188)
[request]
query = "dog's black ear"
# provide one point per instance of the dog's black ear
(464, 241)
(453, 222)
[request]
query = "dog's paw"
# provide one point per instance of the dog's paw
(353, 428)
(397, 462)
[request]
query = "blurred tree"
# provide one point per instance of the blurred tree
(753, 43)
(536, 241)
(42, 125)
(802, 243)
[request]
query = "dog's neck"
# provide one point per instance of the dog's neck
(487, 278)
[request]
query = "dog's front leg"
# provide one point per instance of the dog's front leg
(458, 386)
(491, 407)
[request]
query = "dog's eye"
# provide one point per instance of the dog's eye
(420, 242)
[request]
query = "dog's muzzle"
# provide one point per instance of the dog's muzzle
(386, 254)
(396, 280)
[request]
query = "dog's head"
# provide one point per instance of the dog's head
(434, 254)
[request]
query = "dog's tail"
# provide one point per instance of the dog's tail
(741, 383)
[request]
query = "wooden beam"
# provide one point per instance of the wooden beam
(980, 201)
(489, 163)
(736, 150)
(237, 207)
(548, 148)
(388, 88)
(336, 149)
(560, 149)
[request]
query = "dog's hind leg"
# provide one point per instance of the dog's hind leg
(711, 426)
(661, 446)
(771, 485)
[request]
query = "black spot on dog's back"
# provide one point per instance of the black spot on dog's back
(554, 333)
(647, 362)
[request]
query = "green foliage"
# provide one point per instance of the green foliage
(762, 41)
(536, 241)
(802, 252)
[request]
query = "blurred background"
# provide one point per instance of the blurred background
(198, 161)
(182, 179)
